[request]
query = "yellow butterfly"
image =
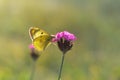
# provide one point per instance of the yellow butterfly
(40, 38)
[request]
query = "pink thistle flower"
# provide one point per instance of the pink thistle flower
(65, 43)
(34, 53)
(66, 35)
(65, 40)
(31, 46)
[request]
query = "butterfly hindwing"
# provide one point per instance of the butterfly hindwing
(41, 42)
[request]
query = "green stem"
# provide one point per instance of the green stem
(33, 70)
(63, 56)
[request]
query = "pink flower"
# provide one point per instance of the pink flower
(31, 46)
(33, 53)
(64, 40)
(66, 35)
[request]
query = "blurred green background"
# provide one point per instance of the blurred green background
(94, 56)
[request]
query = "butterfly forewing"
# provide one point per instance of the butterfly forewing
(36, 32)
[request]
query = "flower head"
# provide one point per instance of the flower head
(66, 35)
(31, 46)
(64, 40)
(34, 53)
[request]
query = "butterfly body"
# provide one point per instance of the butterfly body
(40, 38)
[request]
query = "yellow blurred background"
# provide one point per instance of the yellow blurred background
(94, 56)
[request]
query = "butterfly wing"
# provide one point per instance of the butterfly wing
(42, 42)
(36, 32)
(40, 38)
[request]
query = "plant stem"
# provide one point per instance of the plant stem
(33, 70)
(63, 56)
